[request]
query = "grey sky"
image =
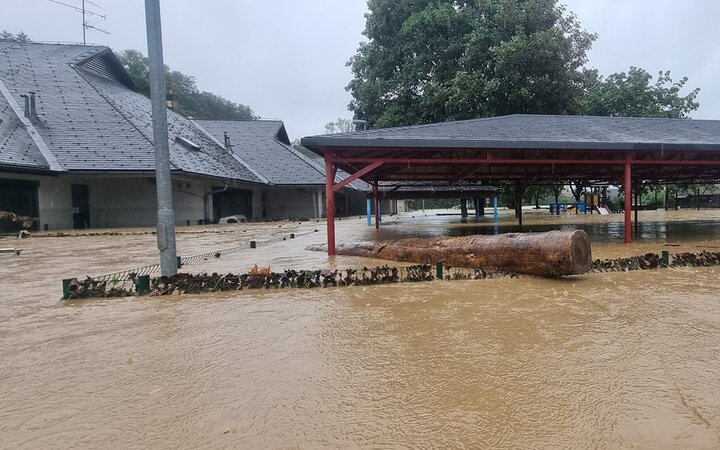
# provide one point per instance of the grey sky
(286, 58)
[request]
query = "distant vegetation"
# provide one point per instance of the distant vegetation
(189, 99)
(8, 36)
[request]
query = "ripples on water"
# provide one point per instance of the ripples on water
(605, 360)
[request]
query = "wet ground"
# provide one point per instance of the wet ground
(612, 360)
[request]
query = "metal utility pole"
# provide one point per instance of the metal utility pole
(165, 214)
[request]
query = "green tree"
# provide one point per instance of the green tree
(8, 36)
(339, 126)
(536, 192)
(22, 37)
(633, 94)
(189, 99)
(436, 60)
(136, 65)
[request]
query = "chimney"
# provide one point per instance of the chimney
(33, 111)
(170, 100)
(27, 105)
(227, 141)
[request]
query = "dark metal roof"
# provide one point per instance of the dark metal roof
(262, 144)
(539, 132)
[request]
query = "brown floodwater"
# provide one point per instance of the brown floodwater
(612, 360)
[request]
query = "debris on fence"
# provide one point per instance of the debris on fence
(654, 261)
(131, 283)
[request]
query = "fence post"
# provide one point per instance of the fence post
(665, 258)
(66, 288)
(143, 284)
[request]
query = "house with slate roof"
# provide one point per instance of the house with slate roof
(76, 150)
(264, 145)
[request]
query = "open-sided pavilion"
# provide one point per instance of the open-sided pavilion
(526, 149)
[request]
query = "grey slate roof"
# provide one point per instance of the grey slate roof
(264, 145)
(212, 159)
(539, 131)
(17, 148)
(92, 121)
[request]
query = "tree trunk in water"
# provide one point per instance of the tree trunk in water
(554, 253)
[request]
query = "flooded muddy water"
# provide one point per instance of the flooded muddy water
(611, 360)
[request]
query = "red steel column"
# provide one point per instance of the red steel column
(376, 197)
(330, 203)
(628, 199)
(637, 208)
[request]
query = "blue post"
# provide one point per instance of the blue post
(495, 210)
(369, 212)
(380, 211)
(477, 209)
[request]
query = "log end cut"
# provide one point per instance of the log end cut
(572, 254)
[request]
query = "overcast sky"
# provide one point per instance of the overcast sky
(286, 58)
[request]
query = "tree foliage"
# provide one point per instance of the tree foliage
(8, 36)
(341, 125)
(436, 60)
(633, 94)
(190, 100)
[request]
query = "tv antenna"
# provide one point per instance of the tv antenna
(86, 12)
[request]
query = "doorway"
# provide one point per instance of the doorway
(81, 206)
(232, 202)
(19, 197)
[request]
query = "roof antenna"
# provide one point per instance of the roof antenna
(85, 13)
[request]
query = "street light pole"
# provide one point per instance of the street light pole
(165, 213)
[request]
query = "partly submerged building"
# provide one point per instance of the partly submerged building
(76, 150)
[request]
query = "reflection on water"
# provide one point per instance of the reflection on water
(655, 231)
(609, 360)
(652, 226)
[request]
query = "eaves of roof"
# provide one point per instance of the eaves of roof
(537, 132)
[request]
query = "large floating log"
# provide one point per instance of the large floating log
(554, 253)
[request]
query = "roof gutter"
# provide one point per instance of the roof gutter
(52, 161)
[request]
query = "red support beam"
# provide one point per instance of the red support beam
(364, 171)
(330, 203)
(520, 161)
(628, 198)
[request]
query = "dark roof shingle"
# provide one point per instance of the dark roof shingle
(92, 121)
(260, 144)
(539, 131)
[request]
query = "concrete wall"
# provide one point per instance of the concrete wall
(130, 201)
(127, 201)
(54, 199)
(295, 202)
